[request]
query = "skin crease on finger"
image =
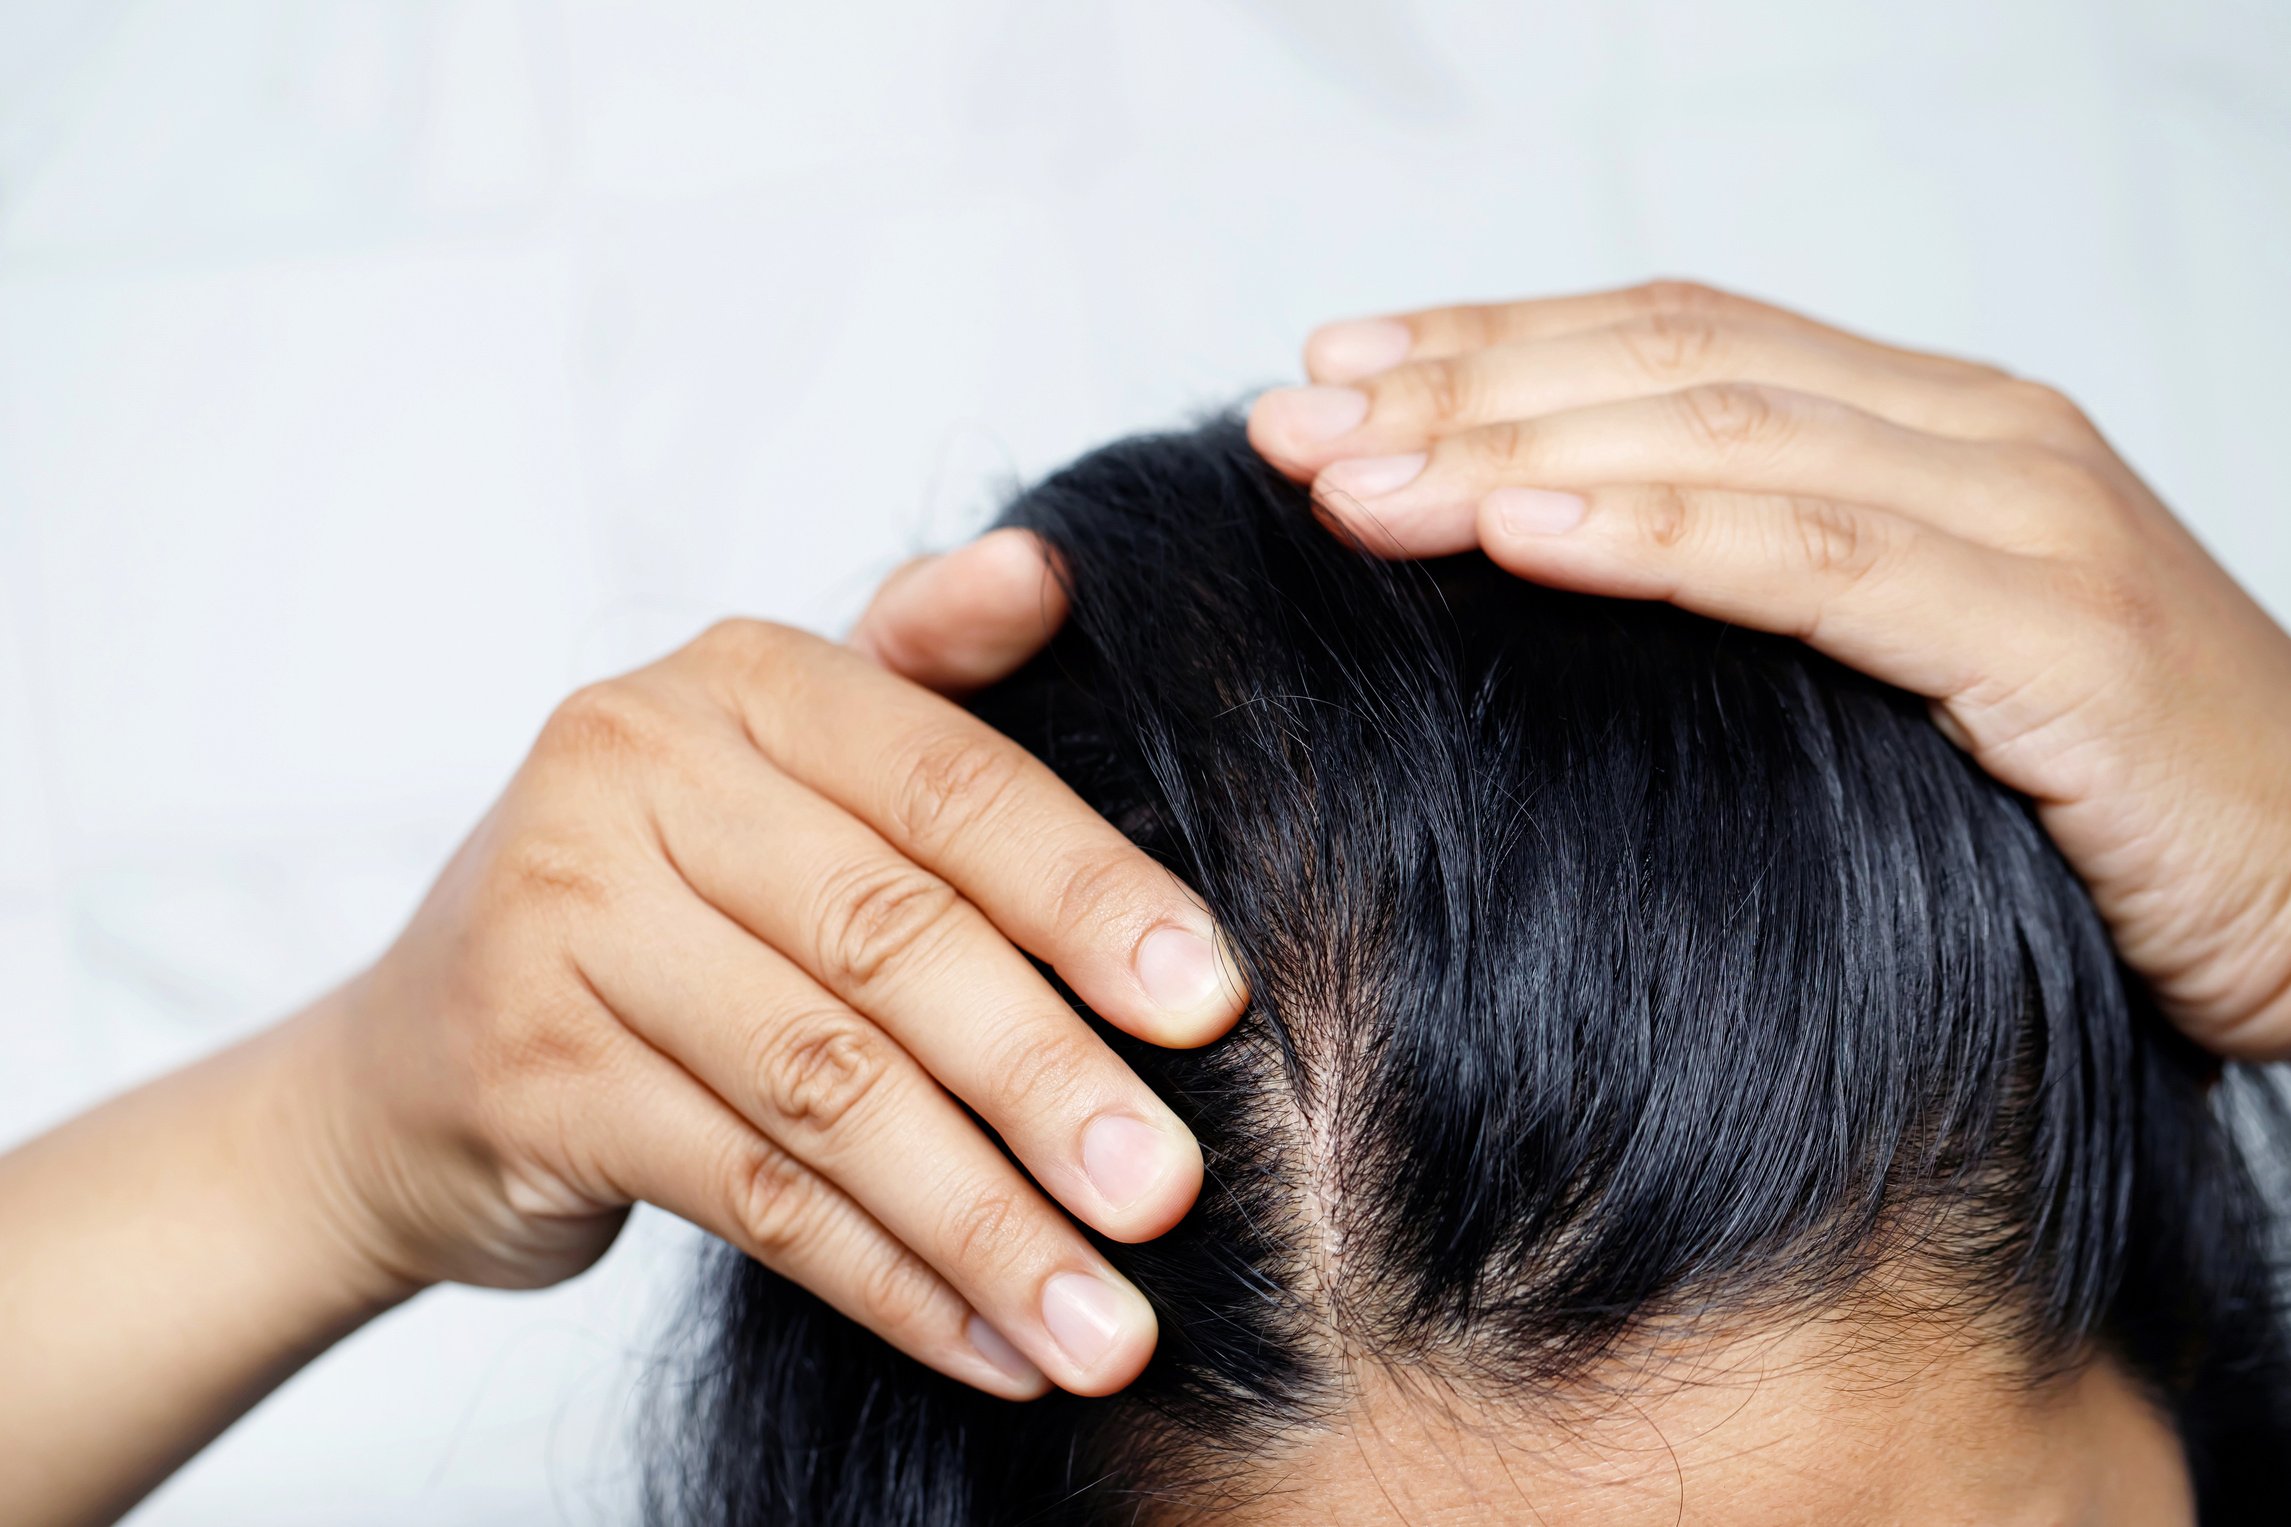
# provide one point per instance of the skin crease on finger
(469, 1110)
(1669, 441)
(1772, 1429)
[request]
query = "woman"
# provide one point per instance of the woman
(742, 910)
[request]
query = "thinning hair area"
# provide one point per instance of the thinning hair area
(1627, 991)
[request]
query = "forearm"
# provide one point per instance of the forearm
(169, 1259)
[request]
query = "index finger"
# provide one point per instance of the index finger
(1348, 351)
(986, 816)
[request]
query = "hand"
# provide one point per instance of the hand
(741, 924)
(1944, 526)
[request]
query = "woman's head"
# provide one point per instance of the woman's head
(1663, 1045)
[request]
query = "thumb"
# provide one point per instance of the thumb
(962, 619)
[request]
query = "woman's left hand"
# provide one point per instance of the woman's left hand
(1942, 525)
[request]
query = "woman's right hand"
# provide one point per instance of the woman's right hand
(739, 940)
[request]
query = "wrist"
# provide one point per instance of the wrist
(338, 1173)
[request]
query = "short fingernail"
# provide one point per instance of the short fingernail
(1309, 415)
(1357, 349)
(1179, 969)
(1084, 1316)
(1536, 511)
(1373, 476)
(1125, 1157)
(996, 1349)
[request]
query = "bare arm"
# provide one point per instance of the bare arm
(739, 938)
(170, 1258)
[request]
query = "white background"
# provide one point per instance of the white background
(372, 373)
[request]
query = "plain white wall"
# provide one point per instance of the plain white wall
(373, 372)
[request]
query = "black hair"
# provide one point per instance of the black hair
(1610, 969)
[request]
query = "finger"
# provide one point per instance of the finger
(1409, 406)
(963, 619)
(1735, 436)
(897, 943)
(1344, 352)
(955, 796)
(853, 1108)
(682, 1149)
(1907, 603)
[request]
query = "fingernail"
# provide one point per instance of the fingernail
(1084, 1317)
(1309, 415)
(1536, 511)
(1179, 969)
(1362, 348)
(996, 1349)
(1372, 476)
(1126, 1158)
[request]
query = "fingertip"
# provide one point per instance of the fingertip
(1264, 433)
(1419, 520)
(1356, 348)
(1192, 982)
(1307, 424)
(1146, 1172)
(1104, 1327)
(966, 618)
(1299, 430)
(1010, 1374)
(1538, 535)
(1017, 578)
(1011, 555)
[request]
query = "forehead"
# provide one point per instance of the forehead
(1761, 1435)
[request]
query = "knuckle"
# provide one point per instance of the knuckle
(983, 1228)
(813, 1071)
(543, 1040)
(1669, 345)
(876, 916)
(539, 871)
(953, 781)
(1833, 540)
(2119, 599)
(775, 1201)
(612, 721)
(1438, 390)
(2045, 412)
(1505, 449)
(1091, 892)
(1475, 326)
(898, 1292)
(1665, 516)
(2067, 484)
(737, 641)
(1671, 295)
(1035, 1076)
(739, 657)
(1735, 418)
